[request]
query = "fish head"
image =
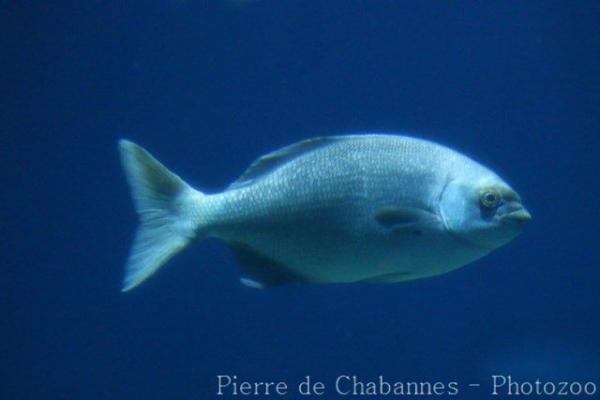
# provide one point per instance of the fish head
(482, 210)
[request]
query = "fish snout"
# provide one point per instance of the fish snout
(516, 214)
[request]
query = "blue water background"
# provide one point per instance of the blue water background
(208, 86)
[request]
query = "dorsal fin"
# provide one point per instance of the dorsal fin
(270, 162)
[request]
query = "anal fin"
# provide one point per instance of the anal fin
(387, 278)
(259, 271)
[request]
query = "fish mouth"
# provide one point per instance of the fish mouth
(520, 216)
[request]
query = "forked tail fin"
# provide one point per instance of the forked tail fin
(165, 206)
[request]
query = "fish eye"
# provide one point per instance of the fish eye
(489, 199)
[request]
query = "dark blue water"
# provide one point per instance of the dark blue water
(208, 86)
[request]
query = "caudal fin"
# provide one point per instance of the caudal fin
(164, 203)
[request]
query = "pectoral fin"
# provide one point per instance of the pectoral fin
(401, 219)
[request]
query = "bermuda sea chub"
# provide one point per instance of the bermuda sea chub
(335, 209)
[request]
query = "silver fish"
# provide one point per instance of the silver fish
(358, 208)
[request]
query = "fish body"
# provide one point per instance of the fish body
(336, 209)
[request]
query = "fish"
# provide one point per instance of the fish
(370, 208)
